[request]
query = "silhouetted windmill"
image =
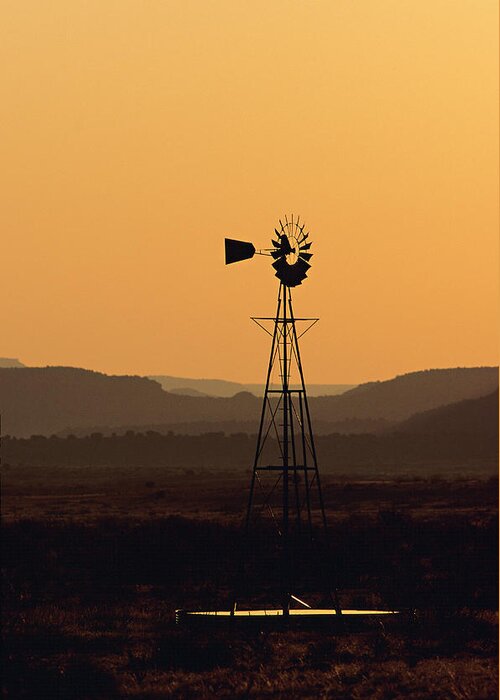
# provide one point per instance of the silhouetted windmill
(285, 485)
(285, 481)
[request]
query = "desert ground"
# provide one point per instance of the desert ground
(97, 559)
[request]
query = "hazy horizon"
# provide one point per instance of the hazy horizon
(258, 382)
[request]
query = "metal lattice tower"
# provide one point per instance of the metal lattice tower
(285, 452)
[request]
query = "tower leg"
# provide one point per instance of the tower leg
(317, 478)
(263, 412)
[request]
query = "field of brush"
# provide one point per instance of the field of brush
(96, 560)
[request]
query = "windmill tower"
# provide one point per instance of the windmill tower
(285, 484)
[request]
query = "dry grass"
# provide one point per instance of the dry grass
(132, 649)
(93, 571)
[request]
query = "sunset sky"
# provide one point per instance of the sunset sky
(137, 134)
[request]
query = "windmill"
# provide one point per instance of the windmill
(285, 484)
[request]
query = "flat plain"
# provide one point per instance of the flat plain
(96, 560)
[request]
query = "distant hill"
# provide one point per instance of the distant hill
(477, 416)
(187, 391)
(395, 400)
(206, 387)
(10, 362)
(225, 389)
(49, 400)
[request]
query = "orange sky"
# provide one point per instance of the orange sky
(136, 134)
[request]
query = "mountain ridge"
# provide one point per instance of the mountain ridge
(52, 399)
(478, 416)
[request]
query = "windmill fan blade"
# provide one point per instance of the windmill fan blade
(306, 246)
(238, 250)
(282, 271)
(291, 275)
(305, 256)
(280, 265)
(304, 237)
(302, 266)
